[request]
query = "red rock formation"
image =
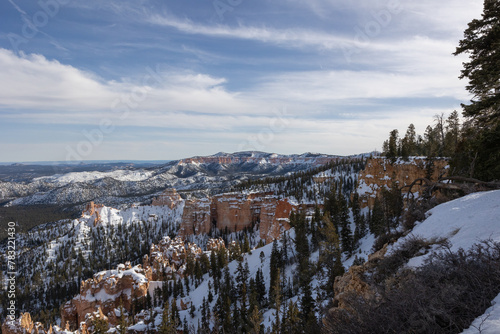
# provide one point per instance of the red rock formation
(169, 258)
(106, 290)
(92, 210)
(379, 173)
(169, 197)
(232, 211)
(236, 211)
(274, 218)
(23, 325)
(195, 217)
(215, 244)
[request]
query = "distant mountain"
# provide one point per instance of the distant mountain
(115, 184)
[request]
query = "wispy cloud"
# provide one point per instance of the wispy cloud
(34, 82)
(284, 37)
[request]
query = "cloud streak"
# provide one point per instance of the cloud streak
(283, 37)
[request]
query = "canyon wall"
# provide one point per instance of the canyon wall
(105, 292)
(380, 173)
(169, 198)
(235, 212)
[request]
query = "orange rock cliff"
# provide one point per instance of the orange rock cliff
(380, 173)
(235, 212)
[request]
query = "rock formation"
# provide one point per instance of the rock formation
(24, 325)
(168, 258)
(92, 209)
(169, 198)
(380, 173)
(107, 290)
(195, 217)
(235, 212)
(215, 244)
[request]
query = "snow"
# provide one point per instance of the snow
(463, 222)
(120, 175)
(489, 322)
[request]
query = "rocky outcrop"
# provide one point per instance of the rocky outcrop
(24, 325)
(168, 258)
(195, 217)
(215, 244)
(169, 198)
(107, 290)
(92, 210)
(235, 212)
(380, 173)
(353, 281)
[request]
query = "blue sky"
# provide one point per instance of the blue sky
(159, 80)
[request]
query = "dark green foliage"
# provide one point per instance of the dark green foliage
(482, 43)
(391, 146)
(100, 325)
(479, 149)
(276, 264)
(330, 254)
(30, 216)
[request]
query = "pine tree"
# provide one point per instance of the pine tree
(291, 320)
(167, 325)
(482, 42)
(330, 253)
(377, 218)
(346, 237)
(452, 134)
(479, 154)
(255, 321)
(122, 320)
(100, 325)
(391, 147)
(275, 265)
(276, 298)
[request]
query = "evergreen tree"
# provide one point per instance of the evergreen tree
(377, 218)
(482, 42)
(275, 265)
(344, 224)
(411, 140)
(330, 253)
(256, 321)
(122, 320)
(100, 325)
(480, 150)
(276, 298)
(291, 320)
(391, 146)
(242, 273)
(167, 325)
(452, 134)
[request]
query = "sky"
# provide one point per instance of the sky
(162, 80)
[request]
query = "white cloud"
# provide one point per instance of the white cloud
(34, 82)
(291, 37)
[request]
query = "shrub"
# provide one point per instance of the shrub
(443, 296)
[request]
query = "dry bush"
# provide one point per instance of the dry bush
(443, 296)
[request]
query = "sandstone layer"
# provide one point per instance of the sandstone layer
(380, 173)
(234, 212)
(106, 291)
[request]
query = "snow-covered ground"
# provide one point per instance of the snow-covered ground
(489, 322)
(120, 175)
(463, 222)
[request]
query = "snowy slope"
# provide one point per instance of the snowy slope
(462, 222)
